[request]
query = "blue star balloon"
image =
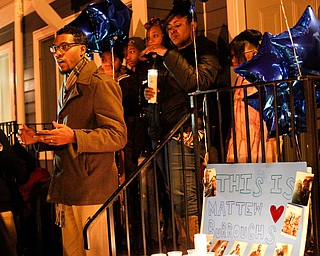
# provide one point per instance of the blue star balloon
(277, 61)
(104, 23)
(306, 41)
(267, 65)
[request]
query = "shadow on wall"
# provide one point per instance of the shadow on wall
(222, 45)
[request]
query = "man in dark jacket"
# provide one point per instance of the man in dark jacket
(90, 128)
(13, 170)
(174, 102)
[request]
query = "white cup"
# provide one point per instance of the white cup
(153, 83)
(191, 252)
(175, 253)
(159, 254)
(200, 244)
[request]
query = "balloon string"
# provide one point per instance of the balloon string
(192, 10)
(112, 63)
(291, 39)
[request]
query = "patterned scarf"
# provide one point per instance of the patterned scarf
(71, 79)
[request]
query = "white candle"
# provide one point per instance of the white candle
(153, 83)
(200, 244)
(175, 253)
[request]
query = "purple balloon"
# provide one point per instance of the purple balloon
(104, 23)
(306, 39)
(276, 61)
(267, 65)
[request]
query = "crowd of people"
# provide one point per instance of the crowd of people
(118, 120)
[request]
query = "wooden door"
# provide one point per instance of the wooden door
(267, 15)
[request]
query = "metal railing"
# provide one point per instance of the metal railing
(298, 140)
(122, 191)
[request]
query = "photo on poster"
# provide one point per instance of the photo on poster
(302, 188)
(282, 249)
(209, 182)
(219, 247)
(209, 242)
(238, 248)
(291, 221)
(258, 249)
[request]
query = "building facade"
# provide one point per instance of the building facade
(29, 87)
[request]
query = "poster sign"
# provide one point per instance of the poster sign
(257, 209)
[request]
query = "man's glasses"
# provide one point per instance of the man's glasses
(63, 47)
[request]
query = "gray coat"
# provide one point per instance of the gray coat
(85, 172)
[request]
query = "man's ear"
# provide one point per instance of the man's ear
(83, 49)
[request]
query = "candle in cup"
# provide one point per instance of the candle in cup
(175, 253)
(191, 252)
(200, 244)
(153, 83)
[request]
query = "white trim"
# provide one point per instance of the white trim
(236, 17)
(7, 49)
(139, 17)
(7, 11)
(47, 13)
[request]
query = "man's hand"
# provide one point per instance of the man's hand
(26, 135)
(61, 135)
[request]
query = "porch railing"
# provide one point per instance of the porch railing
(297, 141)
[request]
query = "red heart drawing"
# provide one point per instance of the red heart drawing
(276, 213)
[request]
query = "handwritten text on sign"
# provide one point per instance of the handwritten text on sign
(250, 205)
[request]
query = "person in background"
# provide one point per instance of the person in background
(133, 53)
(155, 35)
(242, 48)
(213, 185)
(13, 171)
(133, 103)
(89, 129)
(222, 248)
(115, 70)
(236, 251)
(305, 192)
(138, 143)
(257, 252)
(296, 196)
(207, 184)
(173, 101)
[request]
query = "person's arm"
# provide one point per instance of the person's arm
(26, 135)
(185, 73)
(111, 134)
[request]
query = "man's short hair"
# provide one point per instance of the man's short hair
(78, 35)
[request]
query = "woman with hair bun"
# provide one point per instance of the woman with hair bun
(243, 48)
